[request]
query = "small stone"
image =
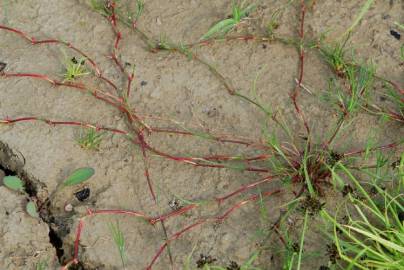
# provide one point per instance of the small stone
(143, 83)
(158, 21)
(395, 34)
(386, 16)
(68, 207)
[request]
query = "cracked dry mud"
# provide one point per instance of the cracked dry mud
(171, 87)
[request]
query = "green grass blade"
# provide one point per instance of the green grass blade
(218, 28)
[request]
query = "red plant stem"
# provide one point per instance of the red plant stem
(119, 212)
(77, 241)
(296, 91)
(202, 221)
(242, 38)
(33, 41)
(174, 213)
(118, 37)
(245, 187)
(215, 138)
(381, 147)
(65, 123)
(97, 93)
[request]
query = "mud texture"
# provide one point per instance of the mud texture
(168, 86)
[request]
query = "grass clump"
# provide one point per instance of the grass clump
(239, 12)
(90, 139)
(74, 68)
(370, 235)
(119, 240)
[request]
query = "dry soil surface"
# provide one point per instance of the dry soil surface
(171, 87)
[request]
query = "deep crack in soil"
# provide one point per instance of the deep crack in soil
(59, 226)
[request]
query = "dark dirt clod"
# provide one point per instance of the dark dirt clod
(204, 260)
(395, 34)
(345, 220)
(312, 205)
(334, 158)
(175, 204)
(295, 247)
(83, 194)
(346, 190)
(2, 66)
(401, 216)
(395, 164)
(332, 253)
(143, 83)
(233, 266)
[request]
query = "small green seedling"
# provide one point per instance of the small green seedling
(223, 27)
(119, 240)
(14, 183)
(90, 140)
(74, 68)
(32, 209)
(79, 176)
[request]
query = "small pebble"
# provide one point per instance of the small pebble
(386, 16)
(395, 34)
(158, 21)
(68, 207)
(143, 83)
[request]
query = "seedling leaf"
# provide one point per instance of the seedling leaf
(218, 28)
(31, 209)
(13, 182)
(79, 176)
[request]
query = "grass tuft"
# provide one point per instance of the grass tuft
(239, 12)
(119, 240)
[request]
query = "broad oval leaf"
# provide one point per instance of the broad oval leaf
(13, 182)
(32, 210)
(79, 176)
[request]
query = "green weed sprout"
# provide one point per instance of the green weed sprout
(90, 140)
(221, 28)
(74, 68)
(371, 234)
(119, 240)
